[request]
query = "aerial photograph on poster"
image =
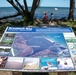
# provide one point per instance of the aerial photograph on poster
(39, 45)
(71, 42)
(68, 40)
(48, 64)
(7, 39)
(65, 64)
(74, 39)
(14, 63)
(74, 61)
(71, 46)
(73, 52)
(31, 64)
(3, 61)
(4, 51)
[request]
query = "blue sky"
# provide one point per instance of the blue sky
(49, 3)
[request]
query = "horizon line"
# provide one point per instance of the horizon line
(40, 6)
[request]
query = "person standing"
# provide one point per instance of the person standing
(52, 16)
(45, 19)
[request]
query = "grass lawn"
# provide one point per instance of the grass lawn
(69, 73)
(71, 24)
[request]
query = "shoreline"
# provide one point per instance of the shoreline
(54, 22)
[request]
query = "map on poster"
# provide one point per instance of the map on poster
(39, 44)
(38, 49)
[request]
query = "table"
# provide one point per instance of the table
(38, 50)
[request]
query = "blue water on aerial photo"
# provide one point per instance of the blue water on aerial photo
(36, 44)
(48, 63)
(44, 61)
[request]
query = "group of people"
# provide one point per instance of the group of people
(46, 19)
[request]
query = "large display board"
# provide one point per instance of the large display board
(38, 49)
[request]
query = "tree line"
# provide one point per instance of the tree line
(29, 15)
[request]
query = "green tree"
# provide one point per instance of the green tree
(71, 10)
(23, 9)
